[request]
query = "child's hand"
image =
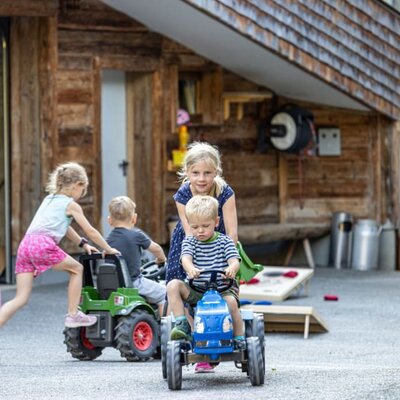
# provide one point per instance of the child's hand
(231, 272)
(90, 249)
(112, 251)
(193, 273)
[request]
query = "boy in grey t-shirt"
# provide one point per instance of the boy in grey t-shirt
(130, 241)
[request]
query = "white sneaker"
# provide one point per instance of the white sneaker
(79, 319)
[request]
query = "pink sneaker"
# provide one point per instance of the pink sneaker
(203, 368)
(79, 319)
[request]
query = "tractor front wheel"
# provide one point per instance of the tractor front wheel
(79, 345)
(174, 367)
(137, 336)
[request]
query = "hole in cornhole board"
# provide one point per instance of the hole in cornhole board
(274, 286)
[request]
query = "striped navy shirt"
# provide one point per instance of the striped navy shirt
(214, 253)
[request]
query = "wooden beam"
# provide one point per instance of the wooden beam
(283, 188)
(48, 55)
(394, 147)
(97, 185)
(32, 116)
(130, 63)
(29, 8)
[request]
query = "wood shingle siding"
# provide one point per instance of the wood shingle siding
(353, 45)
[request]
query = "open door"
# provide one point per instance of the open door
(113, 139)
(127, 142)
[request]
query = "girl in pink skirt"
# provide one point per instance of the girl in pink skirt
(39, 249)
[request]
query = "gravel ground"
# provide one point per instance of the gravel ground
(357, 359)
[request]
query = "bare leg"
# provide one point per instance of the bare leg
(176, 292)
(238, 329)
(74, 268)
(24, 289)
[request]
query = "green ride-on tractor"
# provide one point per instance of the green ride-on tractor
(125, 320)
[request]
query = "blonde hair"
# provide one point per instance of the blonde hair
(65, 175)
(121, 208)
(202, 151)
(204, 207)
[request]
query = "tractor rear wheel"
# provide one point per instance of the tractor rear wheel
(137, 336)
(79, 345)
(255, 327)
(256, 367)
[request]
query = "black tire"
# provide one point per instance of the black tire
(79, 345)
(165, 329)
(256, 365)
(174, 367)
(136, 336)
(255, 327)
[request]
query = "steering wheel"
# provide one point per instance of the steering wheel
(211, 279)
(152, 270)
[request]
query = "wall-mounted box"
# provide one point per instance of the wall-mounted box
(329, 143)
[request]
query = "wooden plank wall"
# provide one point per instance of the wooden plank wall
(271, 189)
(33, 115)
(92, 37)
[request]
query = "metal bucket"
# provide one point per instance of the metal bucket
(341, 240)
(366, 245)
(387, 247)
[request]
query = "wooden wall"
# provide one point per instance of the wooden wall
(62, 80)
(353, 182)
(33, 120)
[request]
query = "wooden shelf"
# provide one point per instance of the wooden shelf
(241, 98)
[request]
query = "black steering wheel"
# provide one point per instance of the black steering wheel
(211, 279)
(152, 270)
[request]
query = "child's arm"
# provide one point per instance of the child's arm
(182, 216)
(230, 218)
(75, 210)
(73, 236)
(157, 251)
(233, 268)
(187, 264)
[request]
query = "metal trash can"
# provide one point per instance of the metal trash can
(341, 240)
(366, 245)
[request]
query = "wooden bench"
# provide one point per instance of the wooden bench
(264, 233)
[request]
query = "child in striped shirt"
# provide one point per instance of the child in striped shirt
(205, 249)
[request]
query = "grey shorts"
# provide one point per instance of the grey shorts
(154, 292)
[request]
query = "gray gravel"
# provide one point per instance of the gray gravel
(358, 358)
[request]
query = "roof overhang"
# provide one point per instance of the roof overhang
(221, 44)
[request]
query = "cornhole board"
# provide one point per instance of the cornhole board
(290, 319)
(273, 286)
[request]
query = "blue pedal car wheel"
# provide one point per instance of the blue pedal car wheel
(165, 332)
(174, 367)
(256, 366)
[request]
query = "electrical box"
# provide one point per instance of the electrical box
(329, 143)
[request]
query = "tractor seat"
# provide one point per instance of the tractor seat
(108, 280)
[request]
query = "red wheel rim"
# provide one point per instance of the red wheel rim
(142, 336)
(85, 341)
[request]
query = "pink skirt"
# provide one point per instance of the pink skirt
(37, 254)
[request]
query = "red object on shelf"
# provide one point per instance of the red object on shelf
(252, 281)
(290, 274)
